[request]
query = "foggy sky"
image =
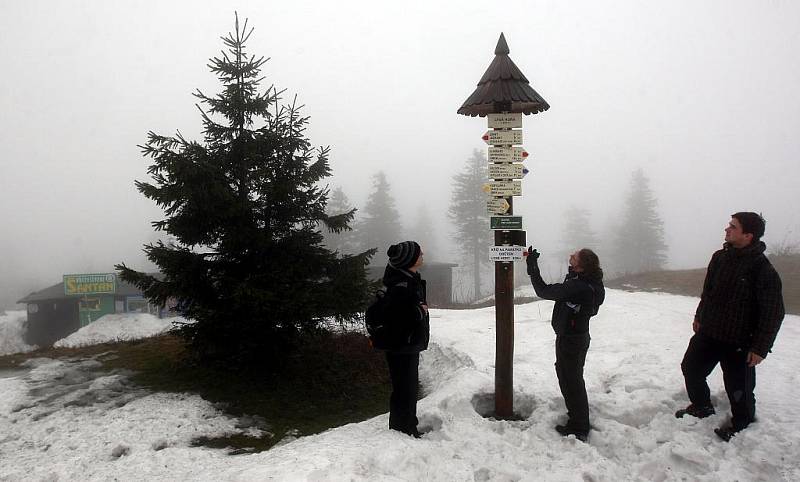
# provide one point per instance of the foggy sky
(701, 95)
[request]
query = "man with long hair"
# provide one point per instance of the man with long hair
(577, 299)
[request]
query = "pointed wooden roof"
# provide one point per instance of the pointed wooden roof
(503, 88)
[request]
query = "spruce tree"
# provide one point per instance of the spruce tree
(244, 207)
(380, 226)
(468, 213)
(640, 245)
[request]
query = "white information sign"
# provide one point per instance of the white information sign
(503, 138)
(506, 171)
(497, 206)
(503, 188)
(506, 253)
(507, 154)
(505, 120)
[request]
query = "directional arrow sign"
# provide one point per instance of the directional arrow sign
(507, 154)
(505, 222)
(506, 171)
(503, 188)
(503, 138)
(497, 205)
(506, 253)
(505, 120)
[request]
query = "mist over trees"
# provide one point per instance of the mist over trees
(577, 232)
(640, 245)
(425, 233)
(380, 224)
(468, 213)
(244, 209)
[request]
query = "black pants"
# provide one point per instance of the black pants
(570, 358)
(404, 372)
(701, 357)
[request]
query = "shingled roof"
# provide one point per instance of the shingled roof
(503, 88)
(56, 292)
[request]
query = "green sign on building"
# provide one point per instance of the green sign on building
(90, 284)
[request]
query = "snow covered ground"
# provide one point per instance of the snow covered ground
(60, 420)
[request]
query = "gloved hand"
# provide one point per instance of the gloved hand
(532, 260)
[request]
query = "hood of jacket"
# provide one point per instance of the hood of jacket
(392, 276)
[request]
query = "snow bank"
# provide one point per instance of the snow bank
(12, 331)
(117, 327)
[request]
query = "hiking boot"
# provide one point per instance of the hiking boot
(726, 433)
(696, 411)
(566, 431)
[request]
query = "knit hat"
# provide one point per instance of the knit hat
(403, 255)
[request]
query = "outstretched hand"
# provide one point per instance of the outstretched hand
(532, 260)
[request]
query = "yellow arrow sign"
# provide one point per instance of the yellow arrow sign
(497, 205)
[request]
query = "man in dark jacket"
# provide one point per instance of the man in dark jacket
(577, 299)
(737, 320)
(406, 292)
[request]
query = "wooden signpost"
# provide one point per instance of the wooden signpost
(503, 95)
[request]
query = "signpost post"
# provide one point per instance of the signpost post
(493, 98)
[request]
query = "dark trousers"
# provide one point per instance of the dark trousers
(404, 372)
(701, 357)
(570, 358)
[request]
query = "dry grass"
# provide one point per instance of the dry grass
(690, 282)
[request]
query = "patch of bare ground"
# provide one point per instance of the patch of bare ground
(689, 282)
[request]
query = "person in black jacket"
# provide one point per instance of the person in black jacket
(577, 299)
(406, 292)
(736, 322)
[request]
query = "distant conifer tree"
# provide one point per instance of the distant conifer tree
(640, 245)
(577, 231)
(423, 231)
(244, 208)
(380, 226)
(468, 212)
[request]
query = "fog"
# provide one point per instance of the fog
(701, 95)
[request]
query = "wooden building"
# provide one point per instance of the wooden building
(62, 309)
(438, 277)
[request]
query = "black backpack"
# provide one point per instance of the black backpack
(385, 328)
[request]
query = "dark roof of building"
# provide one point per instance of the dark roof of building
(56, 292)
(503, 88)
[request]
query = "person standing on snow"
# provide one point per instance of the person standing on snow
(736, 322)
(577, 299)
(406, 292)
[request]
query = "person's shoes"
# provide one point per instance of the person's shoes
(696, 411)
(414, 432)
(726, 433)
(566, 431)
